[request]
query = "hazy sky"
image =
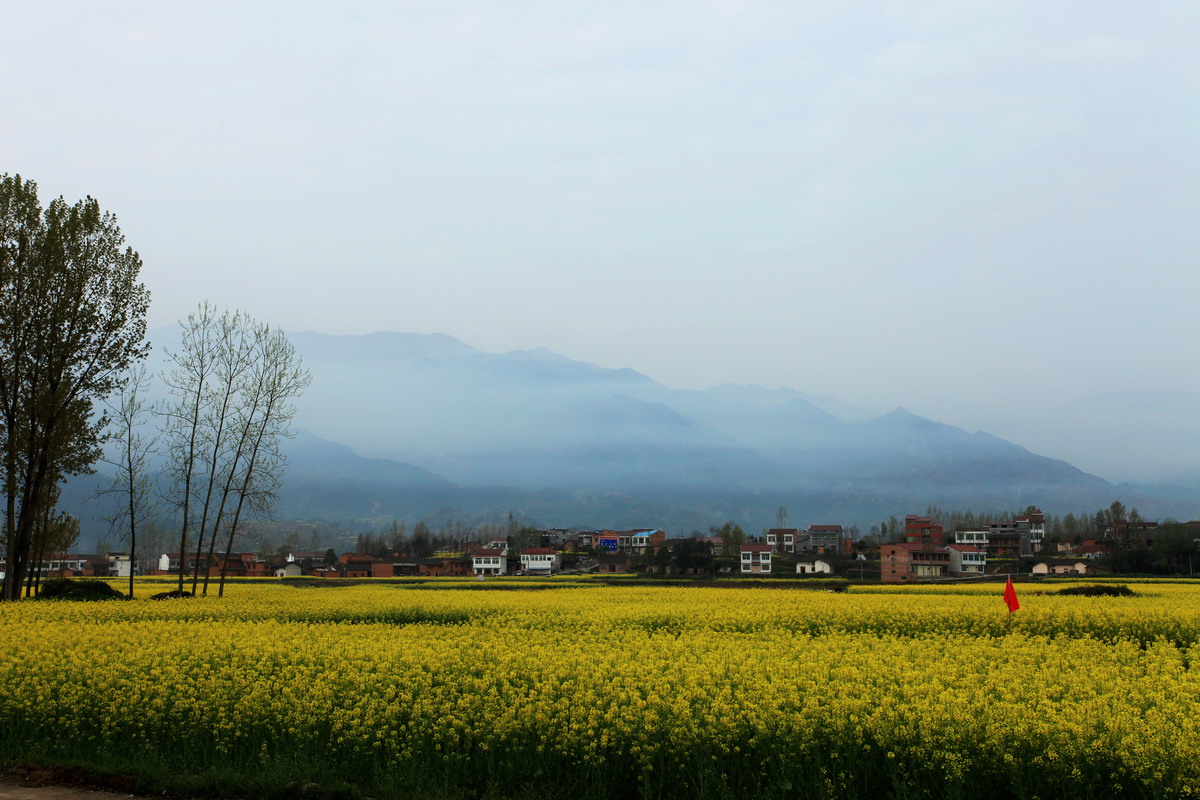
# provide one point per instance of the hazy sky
(943, 205)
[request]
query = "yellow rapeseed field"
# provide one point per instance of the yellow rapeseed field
(452, 689)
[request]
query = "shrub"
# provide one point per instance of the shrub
(67, 589)
(174, 594)
(1099, 590)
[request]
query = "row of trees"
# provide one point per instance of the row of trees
(452, 536)
(74, 390)
(232, 382)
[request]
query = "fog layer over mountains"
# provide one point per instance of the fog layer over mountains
(395, 423)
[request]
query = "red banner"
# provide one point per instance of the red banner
(1010, 596)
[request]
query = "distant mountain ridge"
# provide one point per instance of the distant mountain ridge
(425, 422)
(535, 420)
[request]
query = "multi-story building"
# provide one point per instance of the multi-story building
(1125, 533)
(641, 541)
(539, 560)
(1021, 535)
(489, 561)
(821, 539)
(1033, 528)
(1005, 540)
(967, 559)
(783, 540)
(555, 537)
(755, 558)
(922, 530)
(908, 561)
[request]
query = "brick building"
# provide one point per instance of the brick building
(906, 561)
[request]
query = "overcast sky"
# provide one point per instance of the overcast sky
(895, 203)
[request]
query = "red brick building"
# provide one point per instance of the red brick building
(903, 562)
(922, 530)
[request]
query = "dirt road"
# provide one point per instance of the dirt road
(12, 789)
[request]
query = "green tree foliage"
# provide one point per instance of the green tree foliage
(72, 321)
(421, 544)
(692, 556)
(732, 536)
(1176, 548)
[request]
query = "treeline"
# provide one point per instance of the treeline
(1066, 527)
(452, 537)
(1069, 527)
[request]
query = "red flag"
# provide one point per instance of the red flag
(1010, 596)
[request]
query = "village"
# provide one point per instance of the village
(924, 551)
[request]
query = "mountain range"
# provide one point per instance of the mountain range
(424, 426)
(540, 431)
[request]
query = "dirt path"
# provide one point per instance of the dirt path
(11, 788)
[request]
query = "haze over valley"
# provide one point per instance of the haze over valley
(424, 426)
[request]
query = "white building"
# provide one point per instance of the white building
(490, 561)
(755, 558)
(1060, 568)
(539, 560)
(814, 567)
(966, 559)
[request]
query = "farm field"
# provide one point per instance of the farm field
(443, 688)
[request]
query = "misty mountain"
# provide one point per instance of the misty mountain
(536, 420)
(402, 425)
(325, 476)
(759, 396)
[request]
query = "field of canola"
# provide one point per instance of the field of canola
(443, 689)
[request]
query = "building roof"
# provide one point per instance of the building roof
(782, 531)
(825, 528)
(755, 548)
(538, 551)
(488, 552)
(965, 548)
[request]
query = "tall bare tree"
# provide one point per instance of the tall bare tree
(240, 347)
(277, 378)
(208, 383)
(188, 379)
(132, 444)
(233, 381)
(72, 320)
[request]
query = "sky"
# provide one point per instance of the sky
(958, 206)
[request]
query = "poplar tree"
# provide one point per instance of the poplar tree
(72, 320)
